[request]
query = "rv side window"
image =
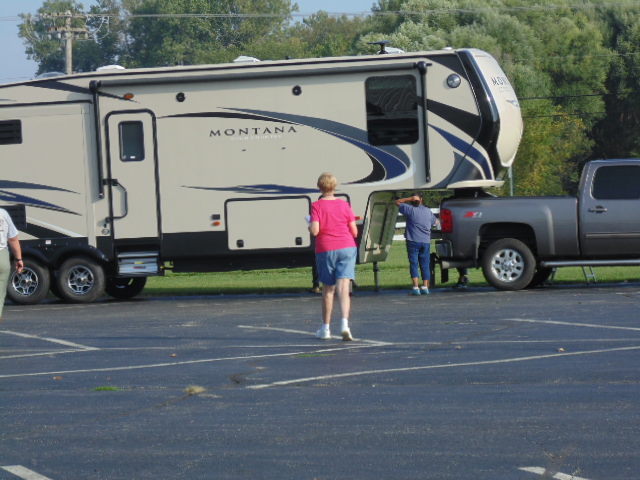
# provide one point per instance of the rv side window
(131, 142)
(10, 132)
(392, 110)
(617, 182)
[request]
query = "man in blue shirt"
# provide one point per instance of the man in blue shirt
(419, 222)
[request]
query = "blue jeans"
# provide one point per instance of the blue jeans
(419, 256)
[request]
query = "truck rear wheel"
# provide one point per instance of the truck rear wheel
(80, 280)
(31, 285)
(125, 287)
(508, 264)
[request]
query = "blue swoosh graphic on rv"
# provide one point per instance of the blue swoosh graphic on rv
(388, 163)
(467, 150)
(394, 164)
(30, 201)
(265, 188)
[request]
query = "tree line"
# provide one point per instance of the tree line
(575, 64)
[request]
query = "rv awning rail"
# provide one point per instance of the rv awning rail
(154, 79)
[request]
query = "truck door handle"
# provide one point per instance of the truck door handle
(598, 209)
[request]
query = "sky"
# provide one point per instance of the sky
(14, 65)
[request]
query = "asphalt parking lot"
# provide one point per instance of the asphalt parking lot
(478, 384)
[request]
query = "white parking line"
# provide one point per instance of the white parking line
(431, 367)
(571, 324)
(170, 364)
(51, 340)
(24, 473)
(40, 354)
(303, 332)
(556, 475)
(347, 346)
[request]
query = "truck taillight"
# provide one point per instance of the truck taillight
(446, 220)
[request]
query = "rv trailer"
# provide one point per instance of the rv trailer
(116, 175)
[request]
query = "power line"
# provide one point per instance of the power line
(437, 11)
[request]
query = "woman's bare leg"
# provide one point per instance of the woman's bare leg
(328, 293)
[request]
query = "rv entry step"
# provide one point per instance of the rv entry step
(138, 263)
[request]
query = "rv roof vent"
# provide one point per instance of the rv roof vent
(245, 59)
(106, 68)
(384, 48)
(50, 75)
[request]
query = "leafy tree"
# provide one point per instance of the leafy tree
(175, 32)
(42, 35)
(106, 43)
(323, 35)
(618, 134)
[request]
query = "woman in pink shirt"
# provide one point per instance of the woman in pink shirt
(333, 223)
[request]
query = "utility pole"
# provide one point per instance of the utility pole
(68, 44)
(68, 34)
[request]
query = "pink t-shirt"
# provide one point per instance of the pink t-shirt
(334, 217)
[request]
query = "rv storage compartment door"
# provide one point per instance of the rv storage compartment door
(379, 228)
(268, 223)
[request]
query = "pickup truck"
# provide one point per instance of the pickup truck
(518, 241)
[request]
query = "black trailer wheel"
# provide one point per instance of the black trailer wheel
(508, 264)
(31, 285)
(541, 276)
(125, 287)
(80, 280)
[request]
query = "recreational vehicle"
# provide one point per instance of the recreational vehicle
(117, 175)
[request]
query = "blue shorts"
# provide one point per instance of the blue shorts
(336, 264)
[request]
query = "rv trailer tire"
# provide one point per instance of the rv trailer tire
(124, 288)
(31, 285)
(80, 280)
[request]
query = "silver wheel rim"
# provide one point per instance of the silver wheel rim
(507, 265)
(25, 283)
(80, 280)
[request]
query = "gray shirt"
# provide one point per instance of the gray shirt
(419, 220)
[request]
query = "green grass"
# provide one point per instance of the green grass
(106, 388)
(393, 275)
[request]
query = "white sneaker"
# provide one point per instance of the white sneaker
(324, 333)
(344, 330)
(346, 335)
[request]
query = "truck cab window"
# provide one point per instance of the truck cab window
(131, 142)
(617, 182)
(10, 132)
(392, 110)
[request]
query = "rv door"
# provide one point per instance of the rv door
(132, 176)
